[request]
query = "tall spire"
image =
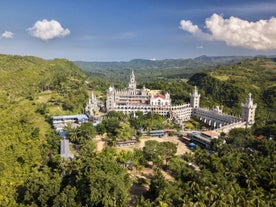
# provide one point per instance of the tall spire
(132, 75)
(248, 111)
(195, 92)
(132, 81)
(249, 102)
(194, 98)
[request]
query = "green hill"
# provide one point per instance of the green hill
(31, 90)
(152, 70)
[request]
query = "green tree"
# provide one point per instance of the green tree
(157, 184)
(41, 189)
(136, 122)
(176, 166)
(153, 152)
(42, 108)
(87, 130)
(81, 134)
(108, 183)
(169, 150)
(125, 156)
(66, 198)
(101, 129)
(124, 131)
(139, 158)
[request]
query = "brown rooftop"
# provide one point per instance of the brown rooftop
(211, 133)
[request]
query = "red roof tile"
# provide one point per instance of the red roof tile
(160, 96)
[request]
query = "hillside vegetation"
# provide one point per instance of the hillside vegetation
(32, 173)
(152, 70)
(229, 86)
(31, 90)
(224, 81)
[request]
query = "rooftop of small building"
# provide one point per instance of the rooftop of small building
(160, 96)
(210, 133)
(77, 116)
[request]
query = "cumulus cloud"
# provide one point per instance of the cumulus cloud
(7, 35)
(259, 35)
(188, 26)
(48, 30)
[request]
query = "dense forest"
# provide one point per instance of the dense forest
(31, 90)
(239, 171)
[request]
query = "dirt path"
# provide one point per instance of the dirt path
(99, 143)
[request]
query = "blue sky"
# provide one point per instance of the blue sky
(121, 30)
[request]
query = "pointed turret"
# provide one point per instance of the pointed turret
(248, 111)
(167, 95)
(194, 98)
(132, 81)
(93, 98)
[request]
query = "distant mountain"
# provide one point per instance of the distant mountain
(154, 69)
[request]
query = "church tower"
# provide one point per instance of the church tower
(92, 106)
(194, 98)
(248, 111)
(132, 82)
(110, 99)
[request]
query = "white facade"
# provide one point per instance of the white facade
(160, 100)
(218, 120)
(132, 100)
(195, 98)
(132, 82)
(92, 106)
(214, 118)
(248, 111)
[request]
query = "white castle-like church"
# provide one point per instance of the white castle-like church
(132, 99)
(145, 100)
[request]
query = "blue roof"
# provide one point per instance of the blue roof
(191, 144)
(63, 134)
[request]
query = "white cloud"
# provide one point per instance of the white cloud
(260, 35)
(7, 35)
(200, 47)
(188, 26)
(47, 30)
